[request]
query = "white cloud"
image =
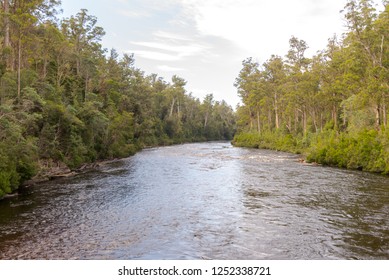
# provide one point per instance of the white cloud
(169, 46)
(181, 50)
(172, 36)
(209, 38)
(155, 55)
(134, 14)
(167, 68)
(262, 28)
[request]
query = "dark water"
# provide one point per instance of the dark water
(201, 201)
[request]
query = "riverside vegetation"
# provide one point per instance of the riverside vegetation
(66, 101)
(332, 107)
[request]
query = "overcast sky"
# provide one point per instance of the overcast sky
(205, 41)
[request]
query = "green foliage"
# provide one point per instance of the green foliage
(9, 178)
(332, 107)
(67, 103)
(366, 150)
(17, 162)
(268, 140)
(120, 141)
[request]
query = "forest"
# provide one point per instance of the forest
(67, 101)
(332, 107)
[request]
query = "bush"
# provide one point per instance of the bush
(270, 140)
(17, 164)
(367, 150)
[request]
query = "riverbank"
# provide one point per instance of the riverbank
(270, 141)
(201, 200)
(49, 170)
(57, 170)
(366, 150)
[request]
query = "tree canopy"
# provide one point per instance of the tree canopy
(332, 107)
(65, 100)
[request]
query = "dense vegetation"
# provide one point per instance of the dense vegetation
(66, 100)
(331, 107)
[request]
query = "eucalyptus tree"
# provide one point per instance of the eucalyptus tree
(247, 83)
(65, 102)
(85, 36)
(275, 75)
(368, 37)
(20, 20)
(299, 80)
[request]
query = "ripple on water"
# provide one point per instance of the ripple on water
(201, 201)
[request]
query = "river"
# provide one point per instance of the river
(201, 201)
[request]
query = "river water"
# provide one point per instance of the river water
(201, 201)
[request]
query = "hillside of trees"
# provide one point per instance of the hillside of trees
(333, 107)
(65, 100)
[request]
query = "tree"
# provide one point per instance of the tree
(334, 105)
(246, 84)
(367, 37)
(23, 18)
(85, 36)
(65, 102)
(275, 75)
(6, 27)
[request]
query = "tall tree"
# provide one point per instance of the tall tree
(85, 36)
(368, 39)
(246, 83)
(275, 75)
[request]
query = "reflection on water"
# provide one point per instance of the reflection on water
(201, 201)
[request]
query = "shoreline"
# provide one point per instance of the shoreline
(64, 171)
(51, 171)
(303, 158)
(58, 172)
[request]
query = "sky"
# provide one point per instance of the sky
(205, 41)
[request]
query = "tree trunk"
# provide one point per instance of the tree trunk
(335, 116)
(385, 118)
(86, 87)
(44, 74)
(172, 107)
(19, 66)
(313, 115)
(289, 124)
(78, 66)
(258, 122)
(382, 49)
(206, 119)
(377, 117)
(1, 95)
(296, 120)
(251, 119)
(7, 43)
(276, 111)
(305, 122)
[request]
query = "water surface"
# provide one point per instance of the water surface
(201, 201)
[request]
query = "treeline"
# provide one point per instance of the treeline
(332, 107)
(65, 100)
